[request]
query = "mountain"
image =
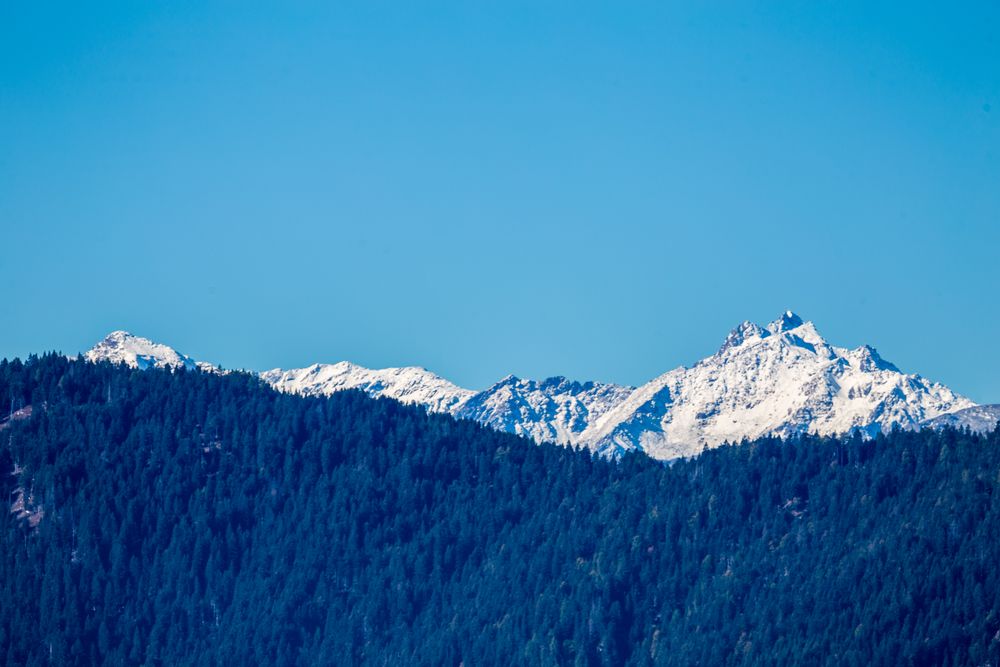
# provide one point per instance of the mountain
(408, 385)
(121, 347)
(978, 418)
(553, 410)
(783, 379)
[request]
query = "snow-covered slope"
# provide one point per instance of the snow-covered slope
(122, 347)
(783, 379)
(979, 418)
(408, 385)
(553, 410)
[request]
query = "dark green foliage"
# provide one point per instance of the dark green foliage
(198, 519)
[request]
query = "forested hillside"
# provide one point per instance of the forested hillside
(170, 518)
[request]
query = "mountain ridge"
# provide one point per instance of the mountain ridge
(978, 418)
(409, 384)
(780, 379)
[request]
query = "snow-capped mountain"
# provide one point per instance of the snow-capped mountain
(121, 347)
(553, 410)
(783, 379)
(978, 418)
(408, 385)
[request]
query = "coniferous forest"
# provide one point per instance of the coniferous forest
(169, 518)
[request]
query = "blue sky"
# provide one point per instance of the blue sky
(599, 190)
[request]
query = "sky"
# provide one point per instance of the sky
(595, 190)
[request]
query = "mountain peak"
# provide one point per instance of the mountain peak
(122, 347)
(868, 359)
(786, 322)
(742, 333)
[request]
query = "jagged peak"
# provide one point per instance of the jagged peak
(869, 359)
(745, 331)
(789, 328)
(786, 322)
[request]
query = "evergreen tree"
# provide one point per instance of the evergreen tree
(180, 517)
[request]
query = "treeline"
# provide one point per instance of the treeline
(168, 518)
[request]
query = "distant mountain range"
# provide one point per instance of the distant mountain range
(783, 379)
(978, 418)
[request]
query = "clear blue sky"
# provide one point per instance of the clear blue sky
(599, 190)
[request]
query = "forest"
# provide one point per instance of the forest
(179, 517)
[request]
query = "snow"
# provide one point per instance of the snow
(121, 347)
(788, 382)
(979, 418)
(553, 410)
(408, 385)
(783, 379)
